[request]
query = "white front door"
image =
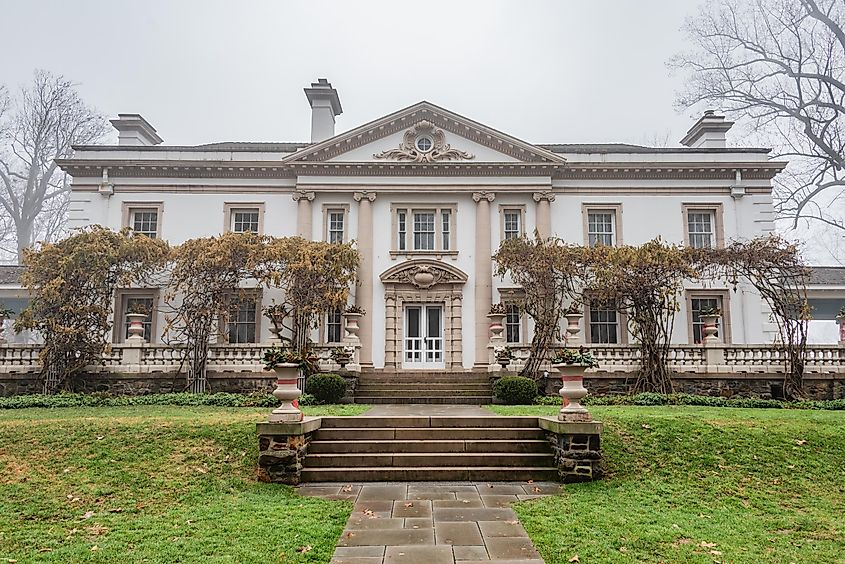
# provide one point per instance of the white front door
(423, 337)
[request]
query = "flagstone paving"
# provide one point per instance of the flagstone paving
(434, 522)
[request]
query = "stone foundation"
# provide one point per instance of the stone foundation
(577, 448)
(282, 448)
(764, 386)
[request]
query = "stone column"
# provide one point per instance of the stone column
(544, 213)
(364, 295)
(304, 215)
(483, 274)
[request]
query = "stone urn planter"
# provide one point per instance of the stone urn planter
(709, 327)
(573, 327)
(287, 392)
(342, 356)
(840, 320)
(352, 319)
(136, 327)
(572, 391)
(497, 326)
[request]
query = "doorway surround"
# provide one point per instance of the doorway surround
(423, 281)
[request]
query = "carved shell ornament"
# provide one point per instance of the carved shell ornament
(424, 143)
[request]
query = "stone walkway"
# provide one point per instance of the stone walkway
(434, 522)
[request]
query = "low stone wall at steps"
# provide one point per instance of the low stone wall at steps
(817, 386)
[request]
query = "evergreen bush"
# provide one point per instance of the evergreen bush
(515, 390)
(326, 388)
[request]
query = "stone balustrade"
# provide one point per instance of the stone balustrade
(611, 358)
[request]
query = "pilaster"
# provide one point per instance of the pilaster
(304, 214)
(544, 212)
(483, 273)
(364, 295)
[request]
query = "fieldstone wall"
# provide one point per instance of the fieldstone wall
(764, 386)
(577, 449)
(282, 448)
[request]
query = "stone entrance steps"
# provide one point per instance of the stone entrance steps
(436, 387)
(436, 448)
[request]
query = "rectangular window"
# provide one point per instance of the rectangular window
(513, 324)
(401, 218)
(446, 218)
(512, 228)
(423, 231)
(145, 222)
(245, 220)
(700, 225)
(604, 324)
(242, 320)
(336, 230)
(333, 326)
(600, 228)
(697, 305)
(145, 303)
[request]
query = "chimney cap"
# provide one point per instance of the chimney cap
(323, 90)
(134, 125)
(710, 125)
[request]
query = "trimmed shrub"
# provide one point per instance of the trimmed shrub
(220, 399)
(326, 388)
(515, 390)
(648, 399)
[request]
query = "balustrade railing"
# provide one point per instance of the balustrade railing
(611, 358)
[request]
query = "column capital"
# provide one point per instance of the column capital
(364, 194)
(547, 195)
(302, 194)
(478, 196)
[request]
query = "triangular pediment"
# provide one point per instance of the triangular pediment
(421, 134)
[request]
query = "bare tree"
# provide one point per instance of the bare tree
(780, 64)
(38, 126)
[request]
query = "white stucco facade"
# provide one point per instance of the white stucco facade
(465, 178)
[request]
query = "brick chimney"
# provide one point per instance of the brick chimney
(325, 105)
(134, 130)
(708, 132)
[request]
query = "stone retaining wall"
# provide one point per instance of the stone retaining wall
(765, 386)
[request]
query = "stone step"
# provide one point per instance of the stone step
(429, 474)
(320, 446)
(429, 433)
(425, 421)
(452, 399)
(433, 459)
(424, 385)
(406, 393)
(430, 377)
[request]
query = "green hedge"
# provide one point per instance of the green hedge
(220, 399)
(326, 388)
(648, 398)
(515, 390)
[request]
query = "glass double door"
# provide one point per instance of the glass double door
(423, 339)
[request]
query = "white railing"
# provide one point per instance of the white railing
(611, 358)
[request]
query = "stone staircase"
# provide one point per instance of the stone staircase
(434, 387)
(428, 448)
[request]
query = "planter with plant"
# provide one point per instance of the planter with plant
(287, 364)
(710, 324)
(572, 364)
(497, 318)
(343, 355)
(352, 316)
(840, 319)
(5, 313)
(573, 317)
(136, 314)
(504, 355)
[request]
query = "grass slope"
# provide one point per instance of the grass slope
(690, 484)
(154, 484)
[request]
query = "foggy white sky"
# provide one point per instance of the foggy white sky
(206, 71)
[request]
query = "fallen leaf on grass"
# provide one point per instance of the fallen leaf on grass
(800, 442)
(304, 549)
(88, 515)
(705, 544)
(96, 529)
(575, 559)
(715, 553)
(645, 426)
(116, 510)
(95, 548)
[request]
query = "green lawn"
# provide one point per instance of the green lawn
(688, 484)
(169, 484)
(154, 484)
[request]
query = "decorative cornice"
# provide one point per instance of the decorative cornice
(439, 151)
(483, 195)
(538, 196)
(364, 195)
(300, 194)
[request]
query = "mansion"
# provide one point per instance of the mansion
(428, 195)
